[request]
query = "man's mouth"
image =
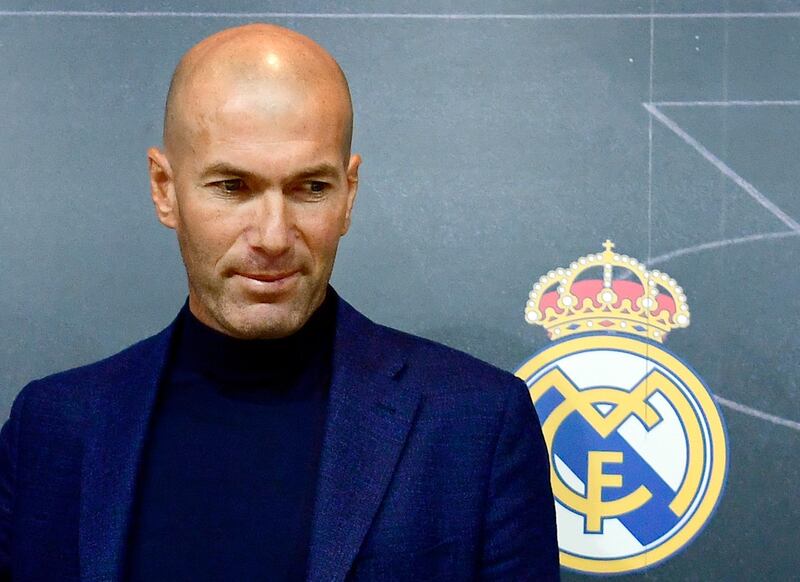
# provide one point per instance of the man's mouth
(269, 283)
(269, 277)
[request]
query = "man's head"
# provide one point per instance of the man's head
(256, 176)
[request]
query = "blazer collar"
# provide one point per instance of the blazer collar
(368, 421)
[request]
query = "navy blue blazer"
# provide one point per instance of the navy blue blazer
(433, 466)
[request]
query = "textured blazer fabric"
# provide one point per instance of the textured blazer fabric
(433, 466)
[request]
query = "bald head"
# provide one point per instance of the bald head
(275, 68)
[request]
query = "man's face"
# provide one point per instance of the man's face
(259, 197)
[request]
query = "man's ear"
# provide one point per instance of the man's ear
(352, 188)
(162, 187)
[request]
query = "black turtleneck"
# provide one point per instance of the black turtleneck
(226, 486)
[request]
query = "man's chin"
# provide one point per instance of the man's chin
(264, 320)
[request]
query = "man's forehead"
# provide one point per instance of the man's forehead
(265, 111)
(231, 94)
(261, 134)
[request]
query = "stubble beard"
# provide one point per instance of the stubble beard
(227, 310)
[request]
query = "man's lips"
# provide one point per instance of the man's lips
(268, 277)
(268, 284)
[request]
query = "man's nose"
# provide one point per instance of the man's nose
(272, 227)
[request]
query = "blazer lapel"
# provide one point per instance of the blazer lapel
(112, 452)
(368, 420)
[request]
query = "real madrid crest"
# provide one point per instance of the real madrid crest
(637, 445)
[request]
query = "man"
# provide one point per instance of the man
(271, 432)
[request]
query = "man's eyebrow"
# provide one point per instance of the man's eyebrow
(322, 170)
(223, 168)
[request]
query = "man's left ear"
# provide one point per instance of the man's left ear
(352, 188)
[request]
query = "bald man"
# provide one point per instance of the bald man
(271, 432)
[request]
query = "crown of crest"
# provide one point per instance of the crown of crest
(607, 292)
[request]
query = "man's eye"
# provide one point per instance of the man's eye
(232, 185)
(317, 187)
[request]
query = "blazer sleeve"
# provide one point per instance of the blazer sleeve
(8, 468)
(519, 540)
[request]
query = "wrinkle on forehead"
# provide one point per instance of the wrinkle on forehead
(268, 68)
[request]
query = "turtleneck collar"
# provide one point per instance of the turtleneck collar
(276, 362)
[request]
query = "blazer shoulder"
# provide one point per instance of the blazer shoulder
(76, 384)
(132, 356)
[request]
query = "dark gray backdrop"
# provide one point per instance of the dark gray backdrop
(500, 140)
